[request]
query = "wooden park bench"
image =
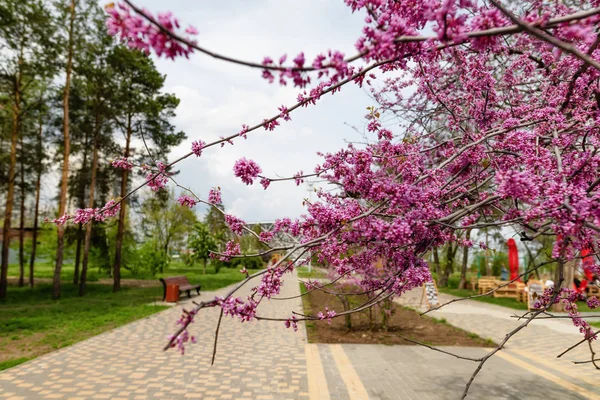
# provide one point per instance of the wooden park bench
(486, 283)
(182, 282)
(593, 290)
(511, 291)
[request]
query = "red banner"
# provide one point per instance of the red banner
(513, 259)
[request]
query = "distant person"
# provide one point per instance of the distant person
(504, 274)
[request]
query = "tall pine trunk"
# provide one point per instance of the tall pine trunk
(22, 220)
(38, 185)
(10, 194)
(463, 269)
(82, 177)
(436, 262)
(88, 228)
(65, 169)
(122, 213)
(449, 267)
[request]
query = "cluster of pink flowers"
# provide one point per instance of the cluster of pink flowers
(157, 181)
(298, 178)
(270, 284)
(246, 170)
(328, 315)
(265, 182)
(197, 147)
(232, 248)
(266, 236)
(235, 224)
(85, 215)
(181, 340)
(187, 201)
(236, 307)
(139, 33)
(122, 163)
(292, 322)
(214, 196)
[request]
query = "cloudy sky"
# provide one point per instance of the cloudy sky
(217, 97)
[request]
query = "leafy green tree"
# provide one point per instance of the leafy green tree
(144, 113)
(201, 242)
(28, 51)
(166, 222)
(217, 226)
(93, 105)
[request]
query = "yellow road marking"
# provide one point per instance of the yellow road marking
(355, 388)
(317, 383)
(551, 377)
(556, 366)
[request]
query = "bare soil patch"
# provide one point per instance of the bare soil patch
(403, 322)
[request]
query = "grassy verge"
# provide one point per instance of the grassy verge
(195, 274)
(32, 324)
(505, 302)
(315, 273)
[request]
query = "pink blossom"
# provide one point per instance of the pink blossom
(214, 196)
(246, 170)
(187, 201)
(232, 248)
(197, 147)
(298, 178)
(140, 34)
(235, 224)
(156, 182)
(265, 182)
(122, 163)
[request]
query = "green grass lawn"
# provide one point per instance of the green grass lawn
(32, 324)
(210, 281)
(315, 273)
(510, 303)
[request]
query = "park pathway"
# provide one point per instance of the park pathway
(534, 348)
(263, 360)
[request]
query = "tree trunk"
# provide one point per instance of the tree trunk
(22, 220)
(88, 227)
(565, 272)
(37, 204)
(65, 168)
(121, 227)
(11, 184)
(449, 266)
(77, 254)
(488, 270)
(82, 177)
(436, 262)
(463, 270)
